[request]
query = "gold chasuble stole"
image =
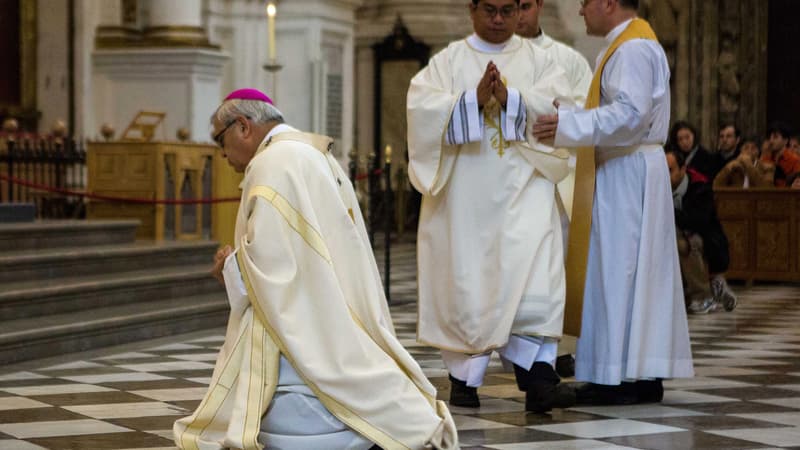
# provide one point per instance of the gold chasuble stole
(583, 197)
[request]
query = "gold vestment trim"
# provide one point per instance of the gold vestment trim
(293, 218)
(352, 420)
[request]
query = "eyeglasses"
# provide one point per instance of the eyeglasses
(219, 137)
(491, 12)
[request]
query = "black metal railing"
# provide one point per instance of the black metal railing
(44, 172)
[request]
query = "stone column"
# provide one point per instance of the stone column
(112, 30)
(172, 68)
(316, 86)
(176, 22)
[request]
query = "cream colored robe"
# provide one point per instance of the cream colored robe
(315, 297)
(490, 253)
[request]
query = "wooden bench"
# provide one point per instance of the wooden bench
(762, 225)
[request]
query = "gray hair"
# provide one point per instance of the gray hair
(256, 111)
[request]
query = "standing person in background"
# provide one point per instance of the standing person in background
(491, 263)
(633, 330)
(579, 75)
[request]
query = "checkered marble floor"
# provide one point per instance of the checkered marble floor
(746, 394)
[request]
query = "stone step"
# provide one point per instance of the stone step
(90, 293)
(56, 334)
(79, 261)
(49, 234)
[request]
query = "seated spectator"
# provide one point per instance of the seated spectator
(794, 143)
(702, 244)
(786, 161)
(683, 137)
(728, 142)
(746, 170)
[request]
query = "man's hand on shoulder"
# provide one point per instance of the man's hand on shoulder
(219, 263)
(545, 128)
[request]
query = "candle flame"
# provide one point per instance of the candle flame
(271, 10)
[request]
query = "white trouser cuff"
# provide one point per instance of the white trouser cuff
(520, 350)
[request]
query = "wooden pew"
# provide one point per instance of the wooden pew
(762, 225)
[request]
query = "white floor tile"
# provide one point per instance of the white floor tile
(127, 410)
(790, 402)
(72, 365)
(746, 353)
(688, 397)
(13, 403)
(721, 371)
(598, 429)
(16, 376)
(168, 366)
(703, 383)
(464, 423)
(59, 428)
(116, 377)
(578, 444)
(13, 444)
(490, 406)
(217, 338)
(173, 395)
(646, 411)
(178, 346)
(129, 355)
(197, 357)
(791, 419)
(56, 389)
(735, 362)
(780, 437)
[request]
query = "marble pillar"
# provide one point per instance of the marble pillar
(175, 22)
(173, 69)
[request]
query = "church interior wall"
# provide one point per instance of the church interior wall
(52, 83)
(717, 52)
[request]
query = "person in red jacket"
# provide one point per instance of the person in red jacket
(786, 161)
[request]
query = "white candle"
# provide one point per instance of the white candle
(271, 29)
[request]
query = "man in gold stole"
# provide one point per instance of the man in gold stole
(633, 330)
(490, 250)
(310, 359)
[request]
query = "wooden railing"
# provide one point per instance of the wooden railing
(763, 228)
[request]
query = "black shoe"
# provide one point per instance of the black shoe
(542, 389)
(463, 395)
(626, 393)
(604, 395)
(649, 391)
(565, 366)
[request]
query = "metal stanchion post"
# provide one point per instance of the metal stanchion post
(353, 166)
(387, 211)
(373, 165)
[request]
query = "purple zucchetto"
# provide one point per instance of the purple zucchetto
(249, 94)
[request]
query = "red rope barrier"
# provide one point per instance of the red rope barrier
(366, 175)
(204, 201)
